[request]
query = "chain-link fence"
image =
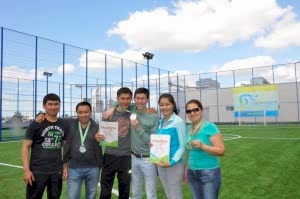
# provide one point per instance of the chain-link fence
(32, 66)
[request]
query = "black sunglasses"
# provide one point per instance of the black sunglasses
(194, 110)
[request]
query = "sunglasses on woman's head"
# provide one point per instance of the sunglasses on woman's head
(194, 110)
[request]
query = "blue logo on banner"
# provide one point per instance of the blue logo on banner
(246, 99)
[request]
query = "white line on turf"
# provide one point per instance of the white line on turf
(256, 127)
(10, 165)
(227, 137)
(266, 138)
(114, 191)
(230, 136)
(7, 142)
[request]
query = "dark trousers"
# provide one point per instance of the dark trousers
(112, 165)
(52, 181)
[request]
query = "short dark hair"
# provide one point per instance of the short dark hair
(143, 91)
(194, 101)
(171, 99)
(51, 97)
(84, 103)
(124, 90)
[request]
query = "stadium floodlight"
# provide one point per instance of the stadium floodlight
(47, 74)
(148, 56)
(80, 86)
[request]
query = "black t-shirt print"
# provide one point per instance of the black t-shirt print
(47, 138)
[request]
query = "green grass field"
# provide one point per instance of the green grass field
(260, 162)
(12, 134)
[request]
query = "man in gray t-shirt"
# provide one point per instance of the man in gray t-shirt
(117, 160)
(124, 137)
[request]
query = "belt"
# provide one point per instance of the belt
(139, 155)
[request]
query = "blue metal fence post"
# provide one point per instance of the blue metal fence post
(233, 74)
(136, 74)
(63, 89)
(156, 88)
(109, 94)
(169, 82)
(70, 99)
(158, 82)
(200, 87)
(122, 68)
(1, 82)
(177, 91)
(252, 76)
(148, 79)
(157, 106)
(35, 78)
(273, 74)
(33, 111)
(297, 90)
(184, 96)
(217, 92)
(18, 94)
(105, 83)
(81, 94)
(86, 77)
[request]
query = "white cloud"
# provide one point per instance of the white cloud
(170, 79)
(262, 68)
(283, 34)
(285, 73)
(69, 69)
(96, 59)
(12, 73)
(243, 71)
(251, 62)
(162, 76)
(197, 25)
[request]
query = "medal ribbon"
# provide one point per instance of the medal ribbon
(193, 132)
(123, 109)
(199, 126)
(83, 136)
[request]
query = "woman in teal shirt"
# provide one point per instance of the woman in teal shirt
(203, 143)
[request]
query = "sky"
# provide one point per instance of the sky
(187, 37)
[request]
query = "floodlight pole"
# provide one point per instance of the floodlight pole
(47, 74)
(18, 96)
(1, 79)
(148, 56)
(148, 74)
(80, 86)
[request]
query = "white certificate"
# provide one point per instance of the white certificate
(160, 149)
(110, 131)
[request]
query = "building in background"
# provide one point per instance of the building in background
(258, 81)
(207, 83)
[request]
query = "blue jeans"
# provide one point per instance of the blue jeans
(205, 183)
(141, 167)
(75, 179)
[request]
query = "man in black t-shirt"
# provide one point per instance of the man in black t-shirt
(43, 141)
(82, 154)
